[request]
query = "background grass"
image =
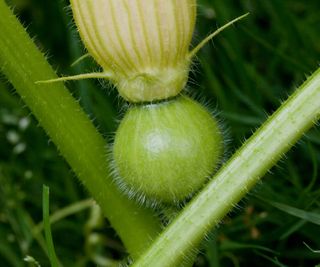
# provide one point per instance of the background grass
(245, 73)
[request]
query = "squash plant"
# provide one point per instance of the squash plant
(168, 146)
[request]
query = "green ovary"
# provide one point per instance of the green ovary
(167, 150)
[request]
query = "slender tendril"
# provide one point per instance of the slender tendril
(80, 59)
(93, 75)
(195, 50)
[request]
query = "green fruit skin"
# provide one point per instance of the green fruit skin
(166, 151)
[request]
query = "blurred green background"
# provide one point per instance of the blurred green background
(244, 74)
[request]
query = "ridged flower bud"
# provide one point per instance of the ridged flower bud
(143, 44)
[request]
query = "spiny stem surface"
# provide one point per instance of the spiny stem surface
(247, 166)
(72, 132)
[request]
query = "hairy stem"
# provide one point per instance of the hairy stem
(257, 155)
(71, 130)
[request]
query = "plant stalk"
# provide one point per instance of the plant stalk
(72, 132)
(247, 166)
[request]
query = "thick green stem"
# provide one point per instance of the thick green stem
(237, 177)
(72, 132)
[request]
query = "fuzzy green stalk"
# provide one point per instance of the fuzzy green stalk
(72, 132)
(247, 166)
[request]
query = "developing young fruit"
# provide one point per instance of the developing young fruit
(165, 151)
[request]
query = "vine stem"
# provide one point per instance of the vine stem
(257, 155)
(72, 132)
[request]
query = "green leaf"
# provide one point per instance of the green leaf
(309, 216)
(47, 228)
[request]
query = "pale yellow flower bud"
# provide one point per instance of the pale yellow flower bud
(142, 44)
